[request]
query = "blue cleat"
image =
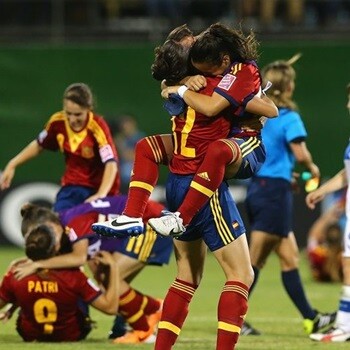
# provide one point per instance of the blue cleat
(122, 226)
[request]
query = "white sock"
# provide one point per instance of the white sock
(343, 315)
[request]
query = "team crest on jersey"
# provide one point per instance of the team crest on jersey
(227, 81)
(87, 152)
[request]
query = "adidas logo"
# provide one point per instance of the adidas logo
(204, 176)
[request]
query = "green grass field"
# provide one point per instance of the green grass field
(270, 311)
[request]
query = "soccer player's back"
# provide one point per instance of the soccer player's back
(49, 304)
(54, 302)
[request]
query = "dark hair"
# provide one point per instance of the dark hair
(179, 33)
(65, 244)
(219, 40)
(34, 215)
(80, 94)
(170, 62)
(40, 243)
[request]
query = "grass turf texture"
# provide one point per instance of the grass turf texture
(270, 311)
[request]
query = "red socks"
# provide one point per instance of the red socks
(209, 176)
(134, 306)
(232, 308)
(149, 152)
(175, 310)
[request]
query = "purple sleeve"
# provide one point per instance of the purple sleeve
(105, 206)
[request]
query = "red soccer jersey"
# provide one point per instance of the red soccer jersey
(194, 132)
(239, 86)
(85, 151)
(49, 305)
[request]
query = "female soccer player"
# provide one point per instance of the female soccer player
(49, 299)
(87, 144)
(141, 312)
(243, 151)
(218, 225)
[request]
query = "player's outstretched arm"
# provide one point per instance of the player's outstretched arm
(335, 183)
(30, 151)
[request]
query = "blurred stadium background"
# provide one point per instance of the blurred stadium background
(47, 44)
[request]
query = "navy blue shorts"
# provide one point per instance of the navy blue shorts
(218, 223)
(253, 156)
(270, 205)
(72, 195)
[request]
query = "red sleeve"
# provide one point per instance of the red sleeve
(48, 137)
(6, 288)
(240, 85)
(87, 288)
(104, 140)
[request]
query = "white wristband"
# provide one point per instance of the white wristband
(181, 90)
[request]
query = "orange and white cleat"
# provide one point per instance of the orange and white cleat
(137, 337)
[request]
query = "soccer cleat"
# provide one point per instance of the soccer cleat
(136, 337)
(118, 328)
(332, 335)
(170, 224)
(248, 329)
(322, 322)
(122, 226)
(146, 337)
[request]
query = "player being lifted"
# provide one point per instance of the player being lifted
(237, 144)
